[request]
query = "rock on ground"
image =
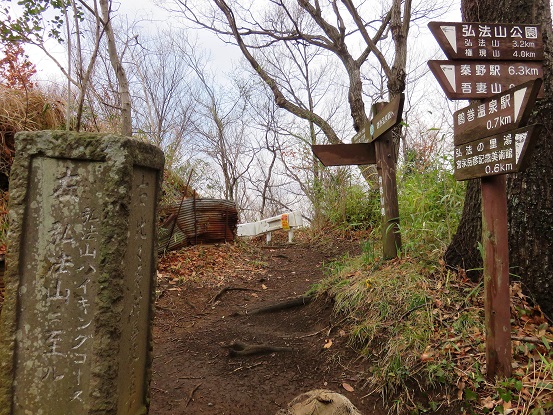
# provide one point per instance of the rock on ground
(320, 402)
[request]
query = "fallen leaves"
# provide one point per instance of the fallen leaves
(461, 341)
(209, 265)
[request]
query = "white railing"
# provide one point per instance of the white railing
(286, 221)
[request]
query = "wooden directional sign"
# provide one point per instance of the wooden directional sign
(345, 154)
(386, 119)
(500, 113)
(482, 79)
(498, 154)
(496, 41)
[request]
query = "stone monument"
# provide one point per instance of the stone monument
(76, 326)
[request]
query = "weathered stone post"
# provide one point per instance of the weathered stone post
(76, 326)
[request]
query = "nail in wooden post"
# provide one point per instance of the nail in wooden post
(496, 276)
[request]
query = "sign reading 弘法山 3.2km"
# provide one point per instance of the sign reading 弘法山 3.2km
(500, 113)
(497, 41)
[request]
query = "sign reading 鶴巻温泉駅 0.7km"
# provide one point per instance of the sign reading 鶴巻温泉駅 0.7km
(497, 154)
(482, 79)
(496, 41)
(500, 113)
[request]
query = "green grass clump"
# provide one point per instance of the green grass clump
(430, 205)
(420, 327)
(391, 319)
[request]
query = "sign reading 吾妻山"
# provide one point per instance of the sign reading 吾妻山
(497, 154)
(500, 113)
(496, 41)
(482, 79)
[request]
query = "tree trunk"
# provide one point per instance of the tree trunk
(529, 194)
(122, 80)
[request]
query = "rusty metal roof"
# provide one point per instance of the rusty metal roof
(198, 221)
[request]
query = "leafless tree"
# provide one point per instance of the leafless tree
(35, 26)
(221, 123)
(162, 87)
(340, 28)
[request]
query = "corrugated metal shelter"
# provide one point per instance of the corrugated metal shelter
(198, 221)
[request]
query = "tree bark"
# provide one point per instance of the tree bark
(530, 193)
(122, 80)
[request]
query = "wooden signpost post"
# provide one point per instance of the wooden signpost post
(489, 143)
(377, 150)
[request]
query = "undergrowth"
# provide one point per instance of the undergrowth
(420, 326)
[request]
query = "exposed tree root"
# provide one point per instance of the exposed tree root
(243, 349)
(225, 289)
(283, 305)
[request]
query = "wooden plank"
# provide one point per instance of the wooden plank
(496, 155)
(496, 277)
(345, 154)
(387, 118)
(386, 167)
(489, 41)
(483, 79)
(497, 114)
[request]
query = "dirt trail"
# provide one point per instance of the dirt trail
(194, 372)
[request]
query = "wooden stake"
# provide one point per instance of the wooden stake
(386, 167)
(496, 276)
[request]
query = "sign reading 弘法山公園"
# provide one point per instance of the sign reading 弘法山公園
(495, 41)
(482, 79)
(497, 154)
(500, 113)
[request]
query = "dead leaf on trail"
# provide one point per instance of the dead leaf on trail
(347, 387)
(488, 402)
(328, 344)
(263, 286)
(426, 356)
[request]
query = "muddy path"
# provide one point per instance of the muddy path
(195, 370)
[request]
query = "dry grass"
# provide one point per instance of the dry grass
(416, 323)
(28, 111)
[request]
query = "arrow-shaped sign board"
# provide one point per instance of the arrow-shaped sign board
(498, 114)
(495, 41)
(482, 79)
(497, 154)
(345, 154)
(386, 119)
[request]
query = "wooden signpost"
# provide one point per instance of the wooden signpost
(489, 143)
(498, 154)
(377, 150)
(497, 114)
(495, 41)
(385, 118)
(481, 79)
(345, 154)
